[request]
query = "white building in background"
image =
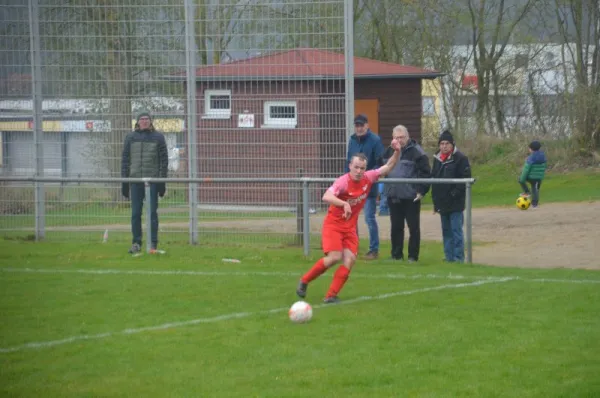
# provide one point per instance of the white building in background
(75, 133)
(535, 78)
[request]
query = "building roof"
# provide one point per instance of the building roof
(307, 63)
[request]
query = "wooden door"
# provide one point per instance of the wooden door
(369, 107)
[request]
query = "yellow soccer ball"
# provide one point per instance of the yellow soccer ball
(523, 202)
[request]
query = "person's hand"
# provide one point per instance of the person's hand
(125, 190)
(395, 145)
(162, 189)
(347, 211)
(418, 197)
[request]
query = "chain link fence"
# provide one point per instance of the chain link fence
(239, 88)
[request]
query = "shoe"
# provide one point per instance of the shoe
(331, 300)
(153, 249)
(534, 207)
(525, 195)
(301, 289)
(394, 259)
(445, 260)
(411, 260)
(135, 248)
(372, 255)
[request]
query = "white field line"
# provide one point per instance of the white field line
(236, 315)
(284, 274)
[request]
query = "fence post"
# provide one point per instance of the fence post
(38, 128)
(469, 224)
(148, 216)
(306, 224)
(300, 211)
(190, 61)
(349, 65)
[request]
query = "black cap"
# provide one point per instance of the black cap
(361, 119)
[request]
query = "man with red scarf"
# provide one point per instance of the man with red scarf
(449, 199)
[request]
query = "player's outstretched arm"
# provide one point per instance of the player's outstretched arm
(391, 163)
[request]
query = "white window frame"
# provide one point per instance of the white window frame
(278, 122)
(428, 110)
(210, 113)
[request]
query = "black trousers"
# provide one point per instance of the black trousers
(401, 210)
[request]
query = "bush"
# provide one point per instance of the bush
(17, 200)
(563, 154)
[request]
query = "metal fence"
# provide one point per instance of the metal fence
(266, 85)
(62, 217)
(255, 98)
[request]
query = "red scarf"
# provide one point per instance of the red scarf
(444, 157)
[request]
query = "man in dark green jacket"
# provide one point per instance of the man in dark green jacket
(145, 155)
(533, 172)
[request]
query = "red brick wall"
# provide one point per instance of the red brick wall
(225, 150)
(316, 145)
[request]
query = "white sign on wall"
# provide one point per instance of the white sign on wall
(246, 120)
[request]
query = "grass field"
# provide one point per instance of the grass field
(82, 320)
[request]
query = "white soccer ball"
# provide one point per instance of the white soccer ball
(300, 312)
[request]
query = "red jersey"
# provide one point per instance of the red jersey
(353, 192)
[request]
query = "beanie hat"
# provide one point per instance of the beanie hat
(535, 145)
(142, 115)
(446, 136)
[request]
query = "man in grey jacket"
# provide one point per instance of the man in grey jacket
(404, 200)
(145, 155)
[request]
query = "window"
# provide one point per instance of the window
(552, 105)
(428, 106)
(521, 61)
(217, 104)
(466, 105)
(550, 60)
(282, 114)
(514, 105)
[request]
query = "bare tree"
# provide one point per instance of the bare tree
(582, 48)
(219, 25)
(107, 50)
(492, 26)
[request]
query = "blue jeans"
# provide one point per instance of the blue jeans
(383, 204)
(137, 195)
(370, 210)
(452, 232)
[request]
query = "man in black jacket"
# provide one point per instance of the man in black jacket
(145, 155)
(404, 200)
(449, 199)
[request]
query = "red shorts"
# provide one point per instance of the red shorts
(334, 239)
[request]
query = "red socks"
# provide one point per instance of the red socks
(317, 269)
(339, 279)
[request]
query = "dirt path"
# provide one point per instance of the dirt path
(552, 236)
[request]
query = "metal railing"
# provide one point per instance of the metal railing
(303, 213)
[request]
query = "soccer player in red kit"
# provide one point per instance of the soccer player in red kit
(346, 198)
